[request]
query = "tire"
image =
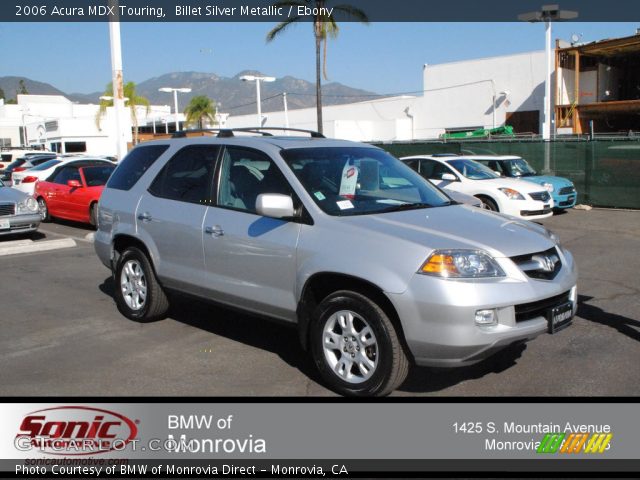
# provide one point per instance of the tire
(134, 275)
(348, 325)
(43, 210)
(93, 215)
(489, 203)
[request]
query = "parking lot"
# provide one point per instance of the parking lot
(62, 334)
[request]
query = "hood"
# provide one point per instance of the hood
(557, 182)
(8, 194)
(459, 226)
(522, 185)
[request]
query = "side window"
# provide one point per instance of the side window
(66, 174)
(433, 170)
(188, 175)
(134, 165)
(244, 175)
(428, 168)
(413, 163)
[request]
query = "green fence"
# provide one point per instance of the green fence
(606, 172)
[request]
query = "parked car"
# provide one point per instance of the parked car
(18, 212)
(25, 181)
(561, 189)
(72, 190)
(506, 195)
(375, 266)
(24, 163)
(8, 155)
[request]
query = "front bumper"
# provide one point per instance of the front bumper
(565, 201)
(21, 224)
(438, 316)
(528, 209)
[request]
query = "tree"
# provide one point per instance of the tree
(22, 88)
(324, 25)
(200, 109)
(132, 99)
(2, 97)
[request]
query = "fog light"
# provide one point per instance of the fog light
(486, 317)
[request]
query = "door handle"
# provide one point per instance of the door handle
(145, 217)
(215, 231)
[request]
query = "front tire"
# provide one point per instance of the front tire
(93, 215)
(489, 203)
(355, 346)
(138, 294)
(43, 210)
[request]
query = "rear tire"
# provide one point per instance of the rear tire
(489, 203)
(355, 346)
(43, 210)
(138, 294)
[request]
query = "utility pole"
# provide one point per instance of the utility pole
(116, 79)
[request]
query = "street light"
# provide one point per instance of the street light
(175, 100)
(548, 14)
(258, 79)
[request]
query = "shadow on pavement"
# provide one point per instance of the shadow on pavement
(424, 379)
(624, 325)
(253, 331)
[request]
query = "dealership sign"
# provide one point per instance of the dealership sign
(75, 430)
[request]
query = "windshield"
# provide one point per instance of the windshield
(472, 170)
(45, 165)
(519, 168)
(360, 181)
(97, 176)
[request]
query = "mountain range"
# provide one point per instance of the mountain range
(235, 96)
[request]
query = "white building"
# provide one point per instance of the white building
(458, 96)
(60, 125)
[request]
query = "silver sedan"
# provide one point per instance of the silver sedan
(18, 212)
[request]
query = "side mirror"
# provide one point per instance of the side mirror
(449, 177)
(74, 184)
(274, 205)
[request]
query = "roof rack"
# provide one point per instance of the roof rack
(228, 132)
(436, 155)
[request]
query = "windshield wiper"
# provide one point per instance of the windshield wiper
(405, 206)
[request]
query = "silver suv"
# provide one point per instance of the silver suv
(376, 266)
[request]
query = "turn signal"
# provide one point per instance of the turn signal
(440, 264)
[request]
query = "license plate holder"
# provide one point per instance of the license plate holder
(5, 225)
(560, 317)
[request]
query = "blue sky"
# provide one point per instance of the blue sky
(381, 57)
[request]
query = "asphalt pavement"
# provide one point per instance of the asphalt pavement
(62, 334)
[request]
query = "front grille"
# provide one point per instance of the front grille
(533, 264)
(527, 311)
(540, 196)
(567, 190)
(7, 209)
(565, 204)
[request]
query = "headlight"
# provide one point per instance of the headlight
(511, 193)
(549, 187)
(461, 264)
(28, 206)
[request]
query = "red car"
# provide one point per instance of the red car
(72, 191)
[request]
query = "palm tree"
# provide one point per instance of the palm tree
(324, 25)
(200, 108)
(133, 100)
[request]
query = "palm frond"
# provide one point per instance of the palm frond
(273, 33)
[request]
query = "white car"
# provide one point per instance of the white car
(25, 181)
(506, 195)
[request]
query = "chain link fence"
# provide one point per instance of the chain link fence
(605, 169)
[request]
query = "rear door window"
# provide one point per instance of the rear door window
(134, 165)
(188, 175)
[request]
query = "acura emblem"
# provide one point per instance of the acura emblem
(547, 263)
